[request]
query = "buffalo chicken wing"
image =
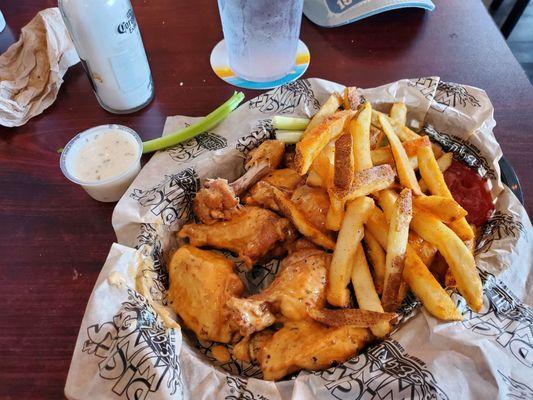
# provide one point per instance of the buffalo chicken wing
(201, 282)
(252, 234)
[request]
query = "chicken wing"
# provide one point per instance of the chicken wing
(218, 199)
(215, 201)
(313, 202)
(251, 233)
(299, 285)
(270, 152)
(201, 282)
(306, 344)
(287, 180)
(288, 208)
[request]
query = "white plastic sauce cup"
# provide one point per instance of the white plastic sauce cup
(112, 188)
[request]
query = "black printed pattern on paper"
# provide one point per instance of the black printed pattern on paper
(515, 389)
(408, 308)
(238, 391)
(172, 198)
(196, 146)
(136, 351)
(384, 371)
(499, 226)
(264, 274)
(453, 95)
(148, 241)
(286, 98)
(462, 150)
(507, 321)
(426, 86)
(262, 131)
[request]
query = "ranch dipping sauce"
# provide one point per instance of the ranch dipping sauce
(104, 160)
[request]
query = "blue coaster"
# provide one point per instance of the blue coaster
(220, 65)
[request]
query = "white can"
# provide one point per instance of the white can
(109, 44)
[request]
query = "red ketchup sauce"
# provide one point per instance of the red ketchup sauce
(471, 191)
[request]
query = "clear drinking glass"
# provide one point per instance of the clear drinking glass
(261, 36)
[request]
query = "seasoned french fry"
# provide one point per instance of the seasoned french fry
(444, 163)
(449, 280)
(351, 316)
(316, 138)
(345, 100)
(376, 137)
(364, 182)
(367, 181)
(438, 267)
(446, 209)
(335, 212)
(331, 105)
(396, 247)
(344, 162)
(398, 113)
(289, 209)
(342, 179)
(365, 292)
(375, 118)
(377, 258)
(428, 290)
(314, 179)
(378, 226)
(404, 133)
(415, 273)
(350, 98)
(457, 255)
(411, 146)
(436, 150)
(386, 200)
(360, 130)
(471, 245)
(432, 175)
(426, 251)
(403, 167)
(350, 235)
(383, 155)
(402, 292)
(321, 171)
(423, 249)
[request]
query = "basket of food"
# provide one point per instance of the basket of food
(321, 242)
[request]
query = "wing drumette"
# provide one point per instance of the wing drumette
(219, 199)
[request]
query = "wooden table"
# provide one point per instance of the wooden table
(54, 238)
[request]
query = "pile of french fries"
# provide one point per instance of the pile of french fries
(391, 207)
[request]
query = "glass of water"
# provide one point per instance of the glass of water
(261, 36)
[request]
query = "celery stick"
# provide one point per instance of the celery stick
(208, 122)
(289, 123)
(289, 137)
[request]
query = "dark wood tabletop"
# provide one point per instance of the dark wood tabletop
(54, 238)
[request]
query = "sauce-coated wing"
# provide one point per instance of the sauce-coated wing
(201, 282)
(299, 285)
(252, 233)
(313, 202)
(308, 345)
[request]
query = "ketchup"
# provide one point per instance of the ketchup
(471, 191)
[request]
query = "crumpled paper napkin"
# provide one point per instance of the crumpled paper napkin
(32, 69)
